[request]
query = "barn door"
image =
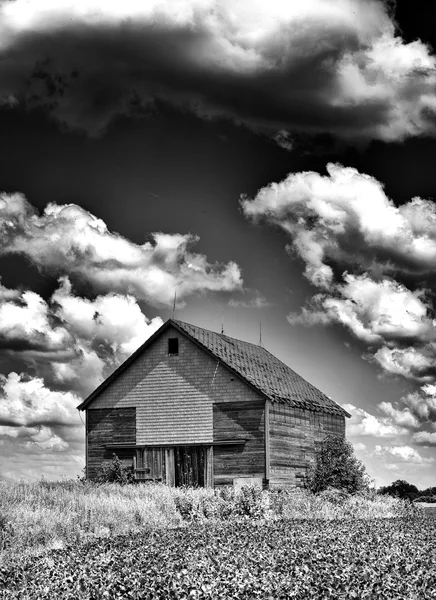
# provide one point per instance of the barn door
(189, 466)
(150, 464)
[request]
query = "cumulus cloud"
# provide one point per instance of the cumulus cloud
(363, 423)
(37, 418)
(73, 342)
(346, 218)
(68, 240)
(373, 265)
(334, 66)
(404, 453)
(425, 438)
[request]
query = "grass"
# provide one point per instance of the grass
(41, 516)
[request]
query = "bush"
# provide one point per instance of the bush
(429, 499)
(337, 467)
(115, 472)
(400, 489)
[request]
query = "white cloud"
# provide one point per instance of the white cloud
(363, 423)
(413, 363)
(73, 342)
(404, 453)
(401, 417)
(27, 402)
(374, 311)
(425, 438)
(332, 66)
(346, 217)
(68, 240)
(374, 263)
(422, 402)
(359, 446)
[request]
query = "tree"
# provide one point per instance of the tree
(336, 466)
(400, 489)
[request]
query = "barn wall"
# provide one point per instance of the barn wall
(109, 426)
(242, 420)
(174, 396)
(294, 434)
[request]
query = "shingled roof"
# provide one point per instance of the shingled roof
(252, 363)
(263, 370)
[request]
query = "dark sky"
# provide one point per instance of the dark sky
(207, 132)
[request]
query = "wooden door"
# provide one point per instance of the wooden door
(150, 464)
(189, 466)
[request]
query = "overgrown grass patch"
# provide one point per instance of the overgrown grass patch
(35, 517)
(286, 558)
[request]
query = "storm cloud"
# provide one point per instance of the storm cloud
(277, 67)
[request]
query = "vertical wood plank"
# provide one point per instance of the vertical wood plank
(86, 445)
(169, 467)
(267, 443)
(209, 467)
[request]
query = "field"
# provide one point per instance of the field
(71, 540)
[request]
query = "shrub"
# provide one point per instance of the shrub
(429, 499)
(337, 467)
(334, 496)
(115, 472)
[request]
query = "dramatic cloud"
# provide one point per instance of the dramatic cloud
(67, 240)
(345, 218)
(73, 342)
(334, 66)
(373, 263)
(37, 418)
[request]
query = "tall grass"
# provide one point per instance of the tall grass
(45, 515)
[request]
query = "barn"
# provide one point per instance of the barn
(196, 407)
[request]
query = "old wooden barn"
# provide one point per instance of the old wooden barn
(195, 407)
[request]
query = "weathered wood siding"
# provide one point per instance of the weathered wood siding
(174, 398)
(294, 434)
(239, 421)
(173, 395)
(109, 426)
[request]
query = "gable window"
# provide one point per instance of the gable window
(173, 346)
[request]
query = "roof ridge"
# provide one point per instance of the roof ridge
(223, 335)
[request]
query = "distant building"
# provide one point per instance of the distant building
(195, 407)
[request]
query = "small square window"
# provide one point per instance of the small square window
(173, 346)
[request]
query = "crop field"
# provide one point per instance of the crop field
(188, 544)
(281, 559)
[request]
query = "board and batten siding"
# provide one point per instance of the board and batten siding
(241, 421)
(294, 434)
(107, 426)
(174, 399)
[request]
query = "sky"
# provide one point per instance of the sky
(270, 163)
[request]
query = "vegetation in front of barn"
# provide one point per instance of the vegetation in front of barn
(35, 517)
(78, 539)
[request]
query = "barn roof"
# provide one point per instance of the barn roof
(263, 370)
(250, 362)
